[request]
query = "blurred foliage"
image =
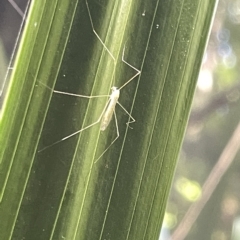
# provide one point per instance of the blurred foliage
(215, 115)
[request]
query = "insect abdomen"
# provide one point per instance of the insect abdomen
(110, 109)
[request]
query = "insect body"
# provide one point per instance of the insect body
(110, 108)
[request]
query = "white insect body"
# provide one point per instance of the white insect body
(110, 108)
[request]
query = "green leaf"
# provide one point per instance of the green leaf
(55, 189)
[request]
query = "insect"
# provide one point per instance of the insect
(109, 109)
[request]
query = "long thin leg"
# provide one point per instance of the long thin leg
(116, 122)
(78, 95)
(94, 31)
(77, 132)
(131, 66)
(73, 94)
(131, 121)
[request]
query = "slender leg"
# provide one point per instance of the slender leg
(116, 122)
(131, 121)
(77, 132)
(73, 94)
(131, 66)
(94, 31)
